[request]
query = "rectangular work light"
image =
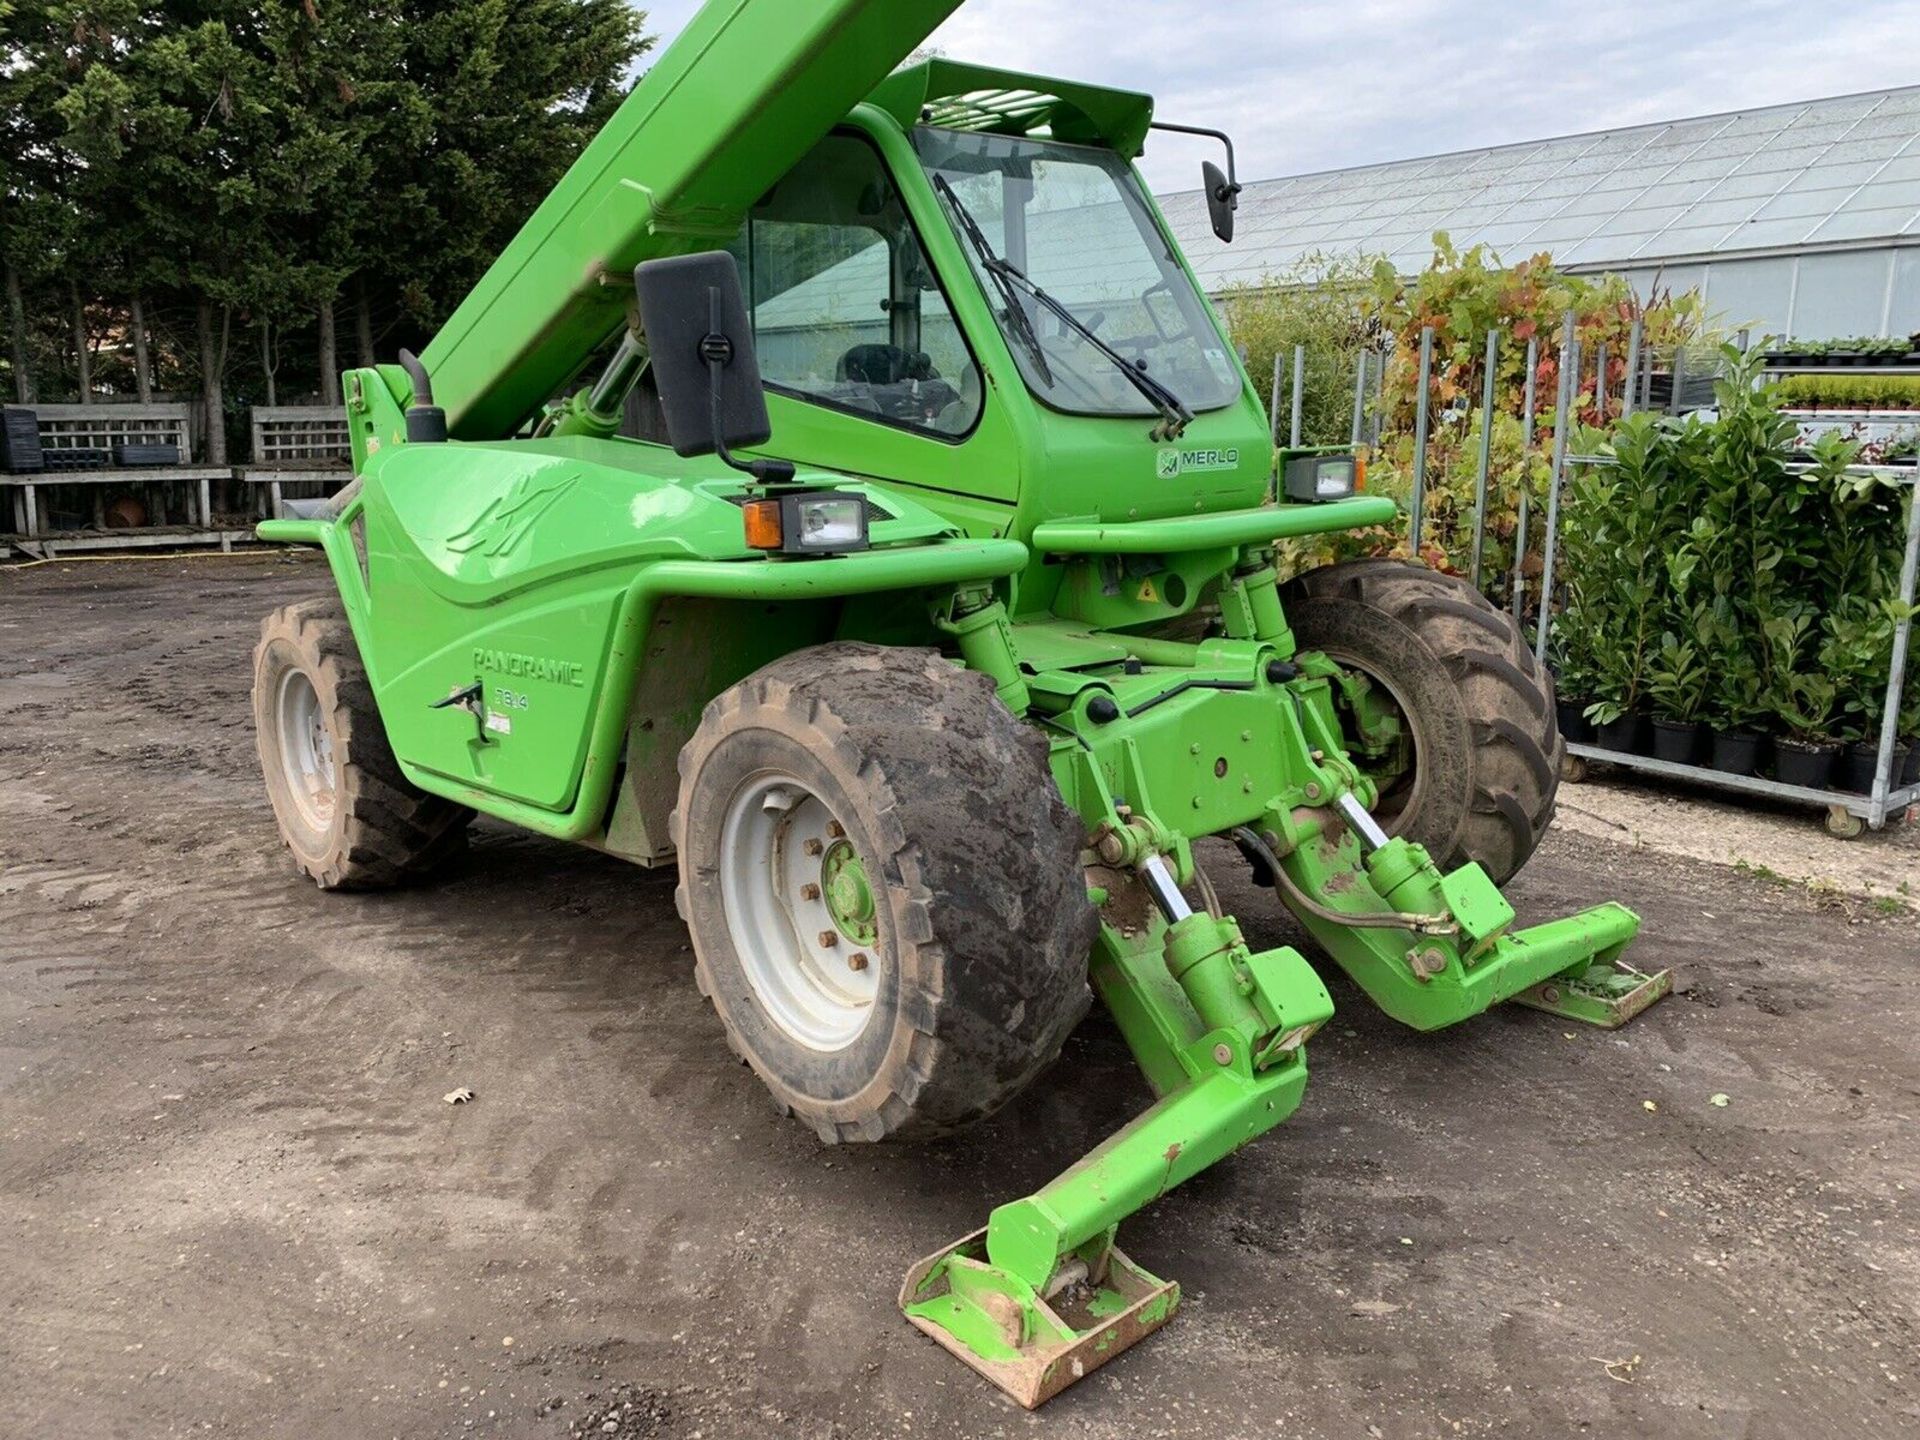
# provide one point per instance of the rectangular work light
(1312, 478)
(824, 522)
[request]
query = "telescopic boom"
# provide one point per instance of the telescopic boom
(743, 93)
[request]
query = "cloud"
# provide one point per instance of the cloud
(1321, 84)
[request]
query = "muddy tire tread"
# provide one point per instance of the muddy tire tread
(981, 861)
(1507, 696)
(387, 830)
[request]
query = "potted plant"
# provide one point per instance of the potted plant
(1857, 653)
(1860, 762)
(1732, 708)
(1676, 692)
(1619, 725)
(1573, 682)
(1736, 743)
(1801, 702)
(1621, 522)
(1572, 695)
(1806, 753)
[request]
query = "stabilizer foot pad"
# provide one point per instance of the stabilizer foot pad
(1033, 1348)
(1604, 997)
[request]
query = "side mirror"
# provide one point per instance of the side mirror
(1223, 198)
(700, 344)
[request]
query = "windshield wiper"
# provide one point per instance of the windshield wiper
(1009, 299)
(1174, 415)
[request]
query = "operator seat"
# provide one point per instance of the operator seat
(880, 364)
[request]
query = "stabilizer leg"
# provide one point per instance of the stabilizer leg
(1041, 1297)
(1604, 997)
(1454, 954)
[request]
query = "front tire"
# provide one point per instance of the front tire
(349, 816)
(1485, 758)
(884, 890)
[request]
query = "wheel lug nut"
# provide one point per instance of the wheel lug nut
(813, 847)
(829, 937)
(809, 892)
(856, 961)
(836, 829)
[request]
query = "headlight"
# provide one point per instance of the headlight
(1323, 477)
(827, 522)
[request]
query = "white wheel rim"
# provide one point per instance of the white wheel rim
(306, 749)
(813, 981)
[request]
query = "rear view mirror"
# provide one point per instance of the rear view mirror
(1223, 198)
(1223, 190)
(700, 344)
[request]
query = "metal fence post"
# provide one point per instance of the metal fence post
(1299, 392)
(1600, 381)
(1679, 376)
(1486, 456)
(1569, 357)
(1897, 671)
(1359, 395)
(1634, 336)
(1526, 489)
(1273, 405)
(1419, 516)
(1379, 394)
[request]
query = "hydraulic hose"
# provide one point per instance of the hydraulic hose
(1254, 848)
(1207, 892)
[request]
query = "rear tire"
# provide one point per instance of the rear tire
(351, 818)
(1486, 749)
(929, 993)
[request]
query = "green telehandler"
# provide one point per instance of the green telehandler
(841, 490)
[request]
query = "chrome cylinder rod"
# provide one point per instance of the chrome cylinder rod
(1364, 825)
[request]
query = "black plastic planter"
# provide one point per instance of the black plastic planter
(1571, 717)
(1910, 775)
(1626, 734)
(1677, 741)
(1737, 752)
(1800, 762)
(1857, 765)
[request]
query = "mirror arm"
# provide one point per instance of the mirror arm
(1222, 191)
(1233, 182)
(717, 350)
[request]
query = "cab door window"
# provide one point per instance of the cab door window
(846, 310)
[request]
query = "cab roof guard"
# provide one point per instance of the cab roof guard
(956, 96)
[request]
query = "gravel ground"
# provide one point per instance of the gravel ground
(1787, 844)
(233, 1201)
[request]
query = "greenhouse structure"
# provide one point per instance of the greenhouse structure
(1800, 221)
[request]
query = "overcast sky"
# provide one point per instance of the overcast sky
(1319, 84)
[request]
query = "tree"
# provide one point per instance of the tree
(181, 122)
(254, 167)
(35, 219)
(502, 98)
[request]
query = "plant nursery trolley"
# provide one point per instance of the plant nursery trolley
(1849, 813)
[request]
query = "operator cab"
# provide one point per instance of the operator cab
(964, 290)
(847, 311)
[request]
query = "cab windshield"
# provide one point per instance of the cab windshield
(1072, 220)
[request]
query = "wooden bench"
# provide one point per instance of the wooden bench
(298, 447)
(102, 426)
